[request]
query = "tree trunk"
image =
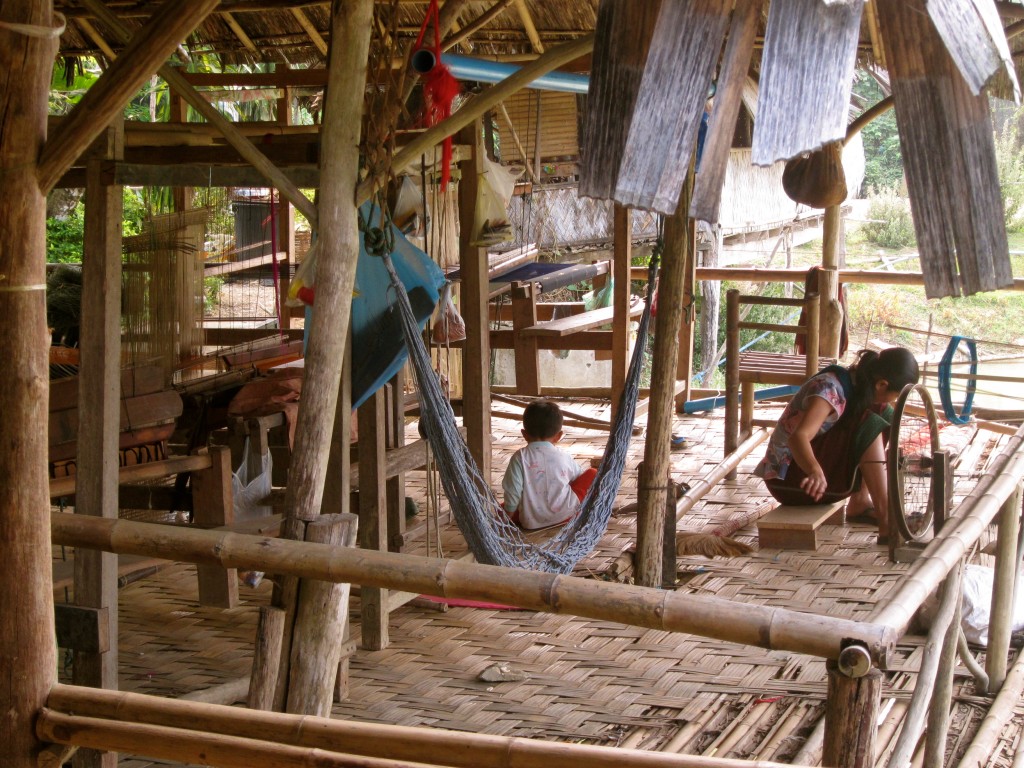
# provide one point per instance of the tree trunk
(28, 657)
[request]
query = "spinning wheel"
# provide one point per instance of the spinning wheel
(913, 442)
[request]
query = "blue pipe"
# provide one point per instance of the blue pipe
(707, 403)
(481, 70)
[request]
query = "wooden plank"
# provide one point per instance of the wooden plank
(949, 158)
(136, 437)
(810, 50)
(622, 40)
(710, 177)
(82, 629)
(974, 37)
(135, 411)
(154, 470)
(566, 326)
(622, 235)
(524, 316)
(670, 103)
(795, 527)
(137, 380)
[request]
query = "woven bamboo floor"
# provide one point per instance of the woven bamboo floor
(582, 680)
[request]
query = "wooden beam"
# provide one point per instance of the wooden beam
(482, 21)
(83, 630)
(622, 237)
(309, 29)
(107, 97)
(198, 102)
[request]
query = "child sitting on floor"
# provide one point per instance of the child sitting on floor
(543, 485)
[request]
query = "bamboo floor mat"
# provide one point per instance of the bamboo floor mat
(581, 680)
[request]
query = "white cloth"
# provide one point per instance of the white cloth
(536, 484)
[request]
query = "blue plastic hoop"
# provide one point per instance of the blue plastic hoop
(945, 377)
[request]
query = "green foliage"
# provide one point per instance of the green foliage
(889, 222)
(883, 162)
(211, 291)
(64, 237)
(1010, 162)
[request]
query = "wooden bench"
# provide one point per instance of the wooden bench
(566, 326)
(788, 527)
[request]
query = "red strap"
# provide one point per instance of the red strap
(432, 12)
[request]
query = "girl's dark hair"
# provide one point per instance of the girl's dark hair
(542, 419)
(896, 365)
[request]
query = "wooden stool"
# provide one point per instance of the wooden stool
(789, 527)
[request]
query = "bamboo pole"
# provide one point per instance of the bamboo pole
(653, 490)
(860, 276)
(478, 106)
(28, 658)
(964, 528)
(101, 103)
(757, 625)
(372, 740)
(913, 723)
(700, 488)
(266, 658)
(979, 753)
(1004, 579)
(241, 143)
(938, 712)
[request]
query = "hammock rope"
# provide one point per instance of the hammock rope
(492, 537)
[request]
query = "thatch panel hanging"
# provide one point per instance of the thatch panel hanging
(810, 50)
(974, 37)
(663, 131)
(622, 40)
(949, 158)
(707, 186)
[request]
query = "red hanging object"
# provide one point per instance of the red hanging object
(439, 86)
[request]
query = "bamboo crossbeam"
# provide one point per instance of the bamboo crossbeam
(980, 751)
(757, 625)
(388, 742)
(700, 488)
(967, 523)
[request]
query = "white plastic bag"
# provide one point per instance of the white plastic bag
(448, 323)
(977, 605)
(250, 491)
(496, 186)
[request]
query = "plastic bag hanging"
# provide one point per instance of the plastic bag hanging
(448, 323)
(300, 290)
(439, 86)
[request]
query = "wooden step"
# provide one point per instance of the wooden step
(791, 527)
(566, 326)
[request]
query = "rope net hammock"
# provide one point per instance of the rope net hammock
(492, 538)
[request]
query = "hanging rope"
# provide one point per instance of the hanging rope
(491, 537)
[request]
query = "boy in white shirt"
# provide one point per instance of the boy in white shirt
(543, 485)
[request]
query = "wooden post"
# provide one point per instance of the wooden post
(732, 373)
(338, 483)
(476, 360)
(373, 601)
(1001, 624)
(320, 626)
(524, 314)
(830, 311)
(213, 507)
(653, 489)
(28, 657)
(100, 385)
(688, 319)
(622, 261)
(335, 279)
(394, 488)
(266, 658)
(851, 712)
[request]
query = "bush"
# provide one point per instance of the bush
(1010, 163)
(889, 223)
